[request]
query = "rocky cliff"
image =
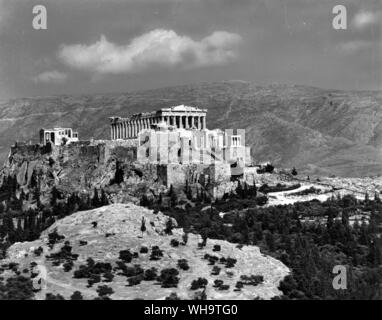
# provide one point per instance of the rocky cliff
(78, 168)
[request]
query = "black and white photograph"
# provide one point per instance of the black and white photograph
(207, 151)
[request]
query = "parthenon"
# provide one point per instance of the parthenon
(181, 117)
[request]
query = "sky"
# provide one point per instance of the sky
(101, 46)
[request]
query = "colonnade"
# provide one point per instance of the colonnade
(129, 128)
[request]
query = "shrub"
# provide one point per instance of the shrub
(185, 238)
(183, 264)
(83, 243)
(94, 278)
(108, 276)
(133, 271)
(173, 296)
(135, 280)
(200, 283)
(17, 288)
(68, 266)
(65, 256)
(216, 247)
(211, 259)
(77, 295)
(168, 278)
(150, 274)
(169, 226)
(239, 285)
(38, 251)
(174, 243)
(224, 287)
(104, 291)
(125, 256)
(144, 250)
(200, 295)
(156, 253)
(230, 262)
(54, 237)
(51, 296)
(215, 271)
(218, 283)
(252, 280)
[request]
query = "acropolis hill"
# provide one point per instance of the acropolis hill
(318, 131)
(160, 149)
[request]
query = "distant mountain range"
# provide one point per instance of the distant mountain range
(318, 131)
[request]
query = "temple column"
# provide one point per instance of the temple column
(186, 122)
(180, 122)
(111, 132)
(116, 131)
(192, 121)
(204, 122)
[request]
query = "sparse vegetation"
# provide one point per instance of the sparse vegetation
(156, 253)
(200, 283)
(174, 243)
(183, 264)
(169, 278)
(77, 295)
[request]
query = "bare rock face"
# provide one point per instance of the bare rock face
(79, 168)
(102, 233)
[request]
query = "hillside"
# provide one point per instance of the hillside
(318, 131)
(102, 233)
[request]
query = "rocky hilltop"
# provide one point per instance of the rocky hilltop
(316, 130)
(77, 168)
(102, 234)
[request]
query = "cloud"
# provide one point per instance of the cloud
(157, 48)
(364, 19)
(54, 76)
